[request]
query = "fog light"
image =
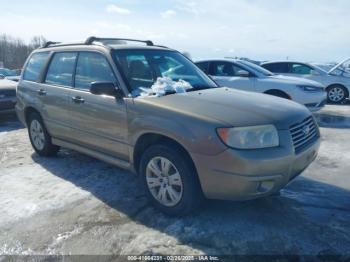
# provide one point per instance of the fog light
(265, 186)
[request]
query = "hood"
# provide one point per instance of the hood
(232, 107)
(7, 84)
(343, 65)
(294, 80)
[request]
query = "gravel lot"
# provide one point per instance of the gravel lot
(74, 204)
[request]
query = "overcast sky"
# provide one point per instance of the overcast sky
(309, 30)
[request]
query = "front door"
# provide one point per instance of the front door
(99, 121)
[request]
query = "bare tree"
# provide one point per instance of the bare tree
(37, 41)
(14, 51)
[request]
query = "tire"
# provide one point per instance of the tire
(336, 94)
(39, 137)
(174, 188)
(278, 93)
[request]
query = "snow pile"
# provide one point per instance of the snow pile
(162, 86)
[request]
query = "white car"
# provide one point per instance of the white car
(247, 76)
(336, 80)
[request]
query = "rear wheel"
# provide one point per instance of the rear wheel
(39, 137)
(170, 180)
(336, 94)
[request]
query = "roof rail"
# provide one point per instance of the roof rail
(92, 39)
(48, 43)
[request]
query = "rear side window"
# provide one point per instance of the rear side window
(92, 67)
(35, 65)
(277, 67)
(204, 66)
(61, 69)
(301, 69)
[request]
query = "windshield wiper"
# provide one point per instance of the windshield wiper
(197, 88)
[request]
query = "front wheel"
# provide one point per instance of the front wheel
(336, 94)
(39, 137)
(170, 180)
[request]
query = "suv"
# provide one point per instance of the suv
(104, 98)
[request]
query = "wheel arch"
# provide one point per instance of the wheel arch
(28, 110)
(148, 139)
(278, 92)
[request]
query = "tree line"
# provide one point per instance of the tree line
(14, 51)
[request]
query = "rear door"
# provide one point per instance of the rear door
(227, 74)
(54, 91)
(98, 121)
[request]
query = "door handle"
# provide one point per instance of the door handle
(41, 92)
(78, 100)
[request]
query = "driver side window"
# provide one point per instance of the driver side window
(225, 69)
(92, 67)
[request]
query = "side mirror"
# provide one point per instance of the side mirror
(105, 88)
(2, 77)
(243, 73)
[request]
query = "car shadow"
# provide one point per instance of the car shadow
(9, 122)
(308, 217)
(334, 116)
(331, 120)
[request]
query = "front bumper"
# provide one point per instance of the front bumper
(313, 101)
(248, 174)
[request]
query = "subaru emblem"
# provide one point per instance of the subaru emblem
(306, 130)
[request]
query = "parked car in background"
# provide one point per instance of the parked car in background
(149, 109)
(7, 96)
(247, 76)
(13, 75)
(13, 78)
(336, 80)
(7, 72)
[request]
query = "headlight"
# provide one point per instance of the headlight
(311, 88)
(252, 137)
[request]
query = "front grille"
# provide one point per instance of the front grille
(304, 134)
(7, 105)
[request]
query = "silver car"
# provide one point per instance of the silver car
(7, 96)
(149, 109)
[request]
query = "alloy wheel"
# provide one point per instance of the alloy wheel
(164, 181)
(37, 134)
(336, 94)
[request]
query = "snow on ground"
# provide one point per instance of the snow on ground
(74, 204)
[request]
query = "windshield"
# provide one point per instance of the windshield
(343, 69)
(256, 68)
(323, 68)
(142, 68)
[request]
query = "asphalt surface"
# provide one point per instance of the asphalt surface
(74, 204)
